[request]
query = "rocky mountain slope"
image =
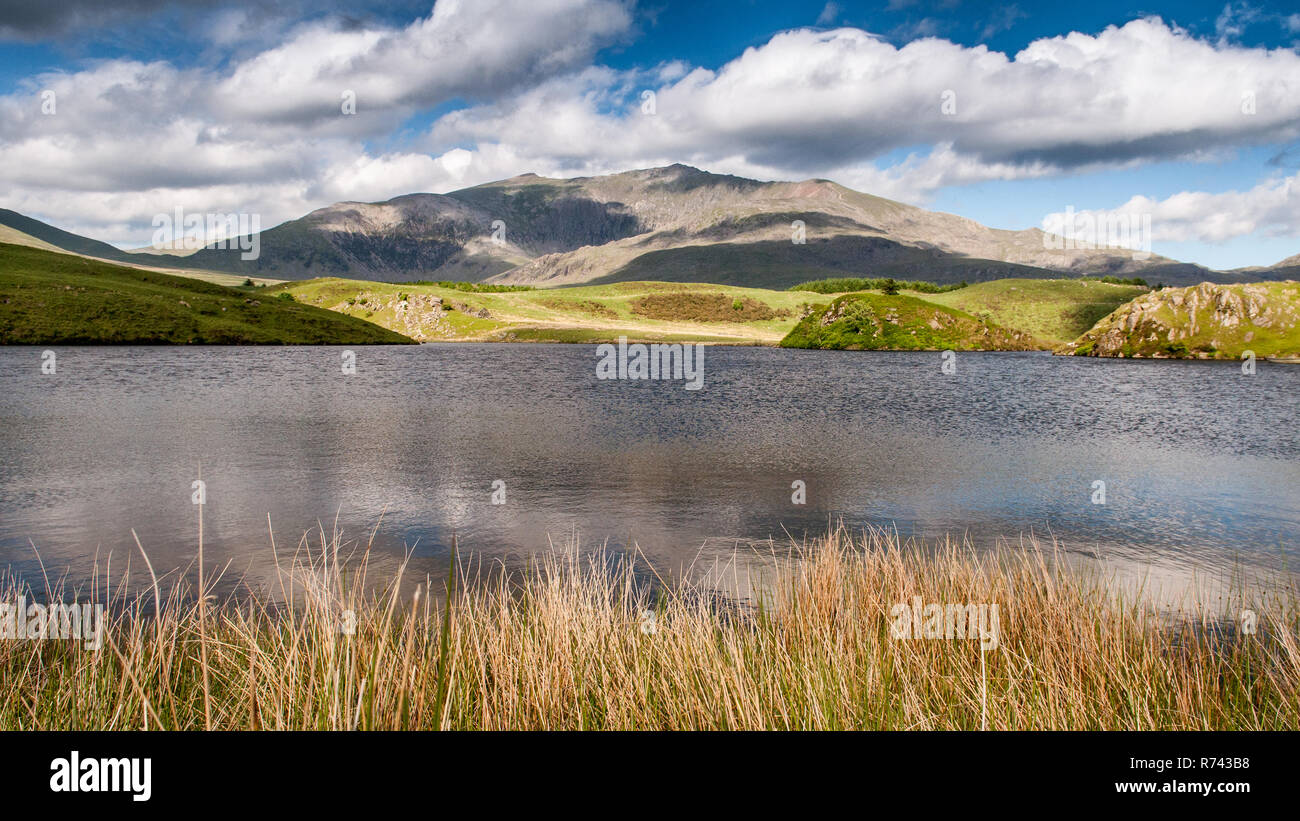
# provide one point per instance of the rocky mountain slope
(674, 223)
(1207, 321)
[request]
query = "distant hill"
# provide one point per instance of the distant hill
(1207, 321)
(56, 238)
(675, 223)
(49, 298)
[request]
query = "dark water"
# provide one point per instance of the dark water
(1200, 461)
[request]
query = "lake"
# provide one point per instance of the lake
(1201, 463)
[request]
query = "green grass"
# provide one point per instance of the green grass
(641, 311)
(1054, 311)
(1049, 312)
(867, 321)
(49, 298)
(473, 287)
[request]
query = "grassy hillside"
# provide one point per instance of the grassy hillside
(647, 311)
(49, 236)
(867, 321)
(52, 298)
(1205, 322)
(1052, 310)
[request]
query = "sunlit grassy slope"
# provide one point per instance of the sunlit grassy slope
(1054, 311)
(51, 298)
(654, 311)
(1050, 312)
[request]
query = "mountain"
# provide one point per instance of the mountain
(1288, 268)
(695, 226)
(675, 223)
(1207, 321)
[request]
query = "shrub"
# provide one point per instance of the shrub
(847, 284)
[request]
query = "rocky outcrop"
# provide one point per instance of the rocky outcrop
(1207, 321)
(422, 317)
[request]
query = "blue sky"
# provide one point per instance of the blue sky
(1096, 106)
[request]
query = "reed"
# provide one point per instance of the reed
(800, 636)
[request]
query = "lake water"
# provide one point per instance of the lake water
(1200, 462)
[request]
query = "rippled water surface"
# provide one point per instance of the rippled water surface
(1199, 461)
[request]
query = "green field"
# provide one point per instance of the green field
(48, 298)
(641, 311)
(1050, 312)
(51, 298)
(1054, 311)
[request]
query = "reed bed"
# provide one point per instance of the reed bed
(584, 642)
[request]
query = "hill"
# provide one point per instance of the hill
(51, 298)
(867, 321)
(1054, 311)
(1207, 321)
(50, 237)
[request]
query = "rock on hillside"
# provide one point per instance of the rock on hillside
(1206, 321)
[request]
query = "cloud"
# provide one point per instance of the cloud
(514, 89)
(1233, 20)
(121, 20)
(268, 134)
(25, 19)
(809, 103)
(1001, 21)
(1271, 208)
(829, 12)
(465, 48)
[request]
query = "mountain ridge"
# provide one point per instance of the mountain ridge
(675, 223)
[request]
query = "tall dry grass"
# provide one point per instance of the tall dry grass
(570, 644)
